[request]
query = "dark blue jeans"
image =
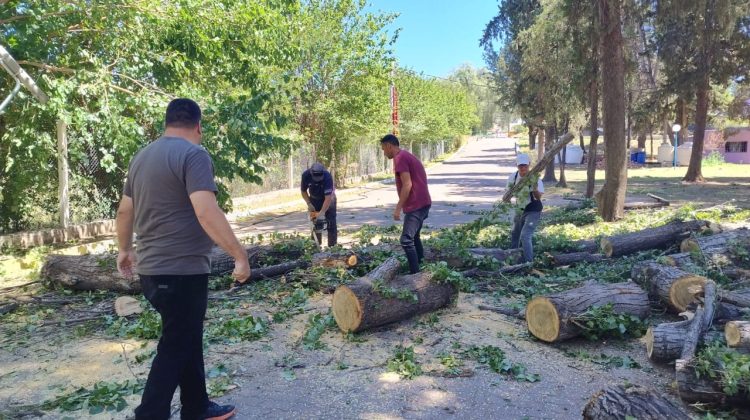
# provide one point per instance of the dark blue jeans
(181, 301)
(410, 237)
(524, 225)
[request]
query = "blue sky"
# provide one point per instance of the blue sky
(438, 35)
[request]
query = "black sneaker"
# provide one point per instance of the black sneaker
(218, 412)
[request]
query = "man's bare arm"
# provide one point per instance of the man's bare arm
(215, 223)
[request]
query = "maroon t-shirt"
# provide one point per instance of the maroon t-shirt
(419, 196)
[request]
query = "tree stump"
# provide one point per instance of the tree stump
(737, 334)
(652, 238)
(621, 403)
(553, 318)
(381, 298)
(669, 284)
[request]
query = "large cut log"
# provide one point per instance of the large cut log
(337, 260)
(631, 402)
(88, 272)
(381, 298)
(695, 388)
(538, 167)
(664, 342)
(669, 284)
(573, 258)
(554, 317)
(652, 238)
(737, 334)
(716, 243)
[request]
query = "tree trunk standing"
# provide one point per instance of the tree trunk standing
(562, 183)
(581, 141)
(594, 103)
(694, 173)
(532, 136)
(549, 139)
(682, 114)
(611, 198)
(707, 52)
(642, 140)
(541, 143)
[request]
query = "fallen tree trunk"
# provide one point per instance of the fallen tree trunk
(644, 205)
(223, 263)
(275, 270)
(590, 246)
(381, 298)
(338, 260)
(698, 389)
(664, 342)
(737, 334)
(88, 272)
(621, 403)
(668, 284)
(682, 259)
(652, 238)
(554, 317)
(573, 258)
(715, 243)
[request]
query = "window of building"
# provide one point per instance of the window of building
(735, 147)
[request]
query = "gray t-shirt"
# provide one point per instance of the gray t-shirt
(160, 180)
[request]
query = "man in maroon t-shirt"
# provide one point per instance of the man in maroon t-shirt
(413, 198)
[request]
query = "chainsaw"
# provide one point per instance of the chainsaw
(317, 227)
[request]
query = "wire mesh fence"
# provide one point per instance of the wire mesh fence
(284, 172)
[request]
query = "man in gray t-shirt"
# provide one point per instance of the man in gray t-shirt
(169, 200)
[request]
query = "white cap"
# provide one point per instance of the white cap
(522, 159)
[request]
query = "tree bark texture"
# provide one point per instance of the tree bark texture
(594, 123)
(718, 243)
(532, 137)
(334, 260)
(664, 342)
(631, 402)
(555, 317)
(652, 238)
(360, 305)
(549, 138)
(611, 198)
(88, 272)
(669, 284)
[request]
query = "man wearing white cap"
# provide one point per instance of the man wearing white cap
(528, 206)
(319, 192)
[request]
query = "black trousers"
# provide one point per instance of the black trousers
(181, 301)
(410, 241)
(330, 215)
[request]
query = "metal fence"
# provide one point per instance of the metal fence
(363, 160)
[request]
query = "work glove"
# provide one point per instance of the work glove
(313, 215)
